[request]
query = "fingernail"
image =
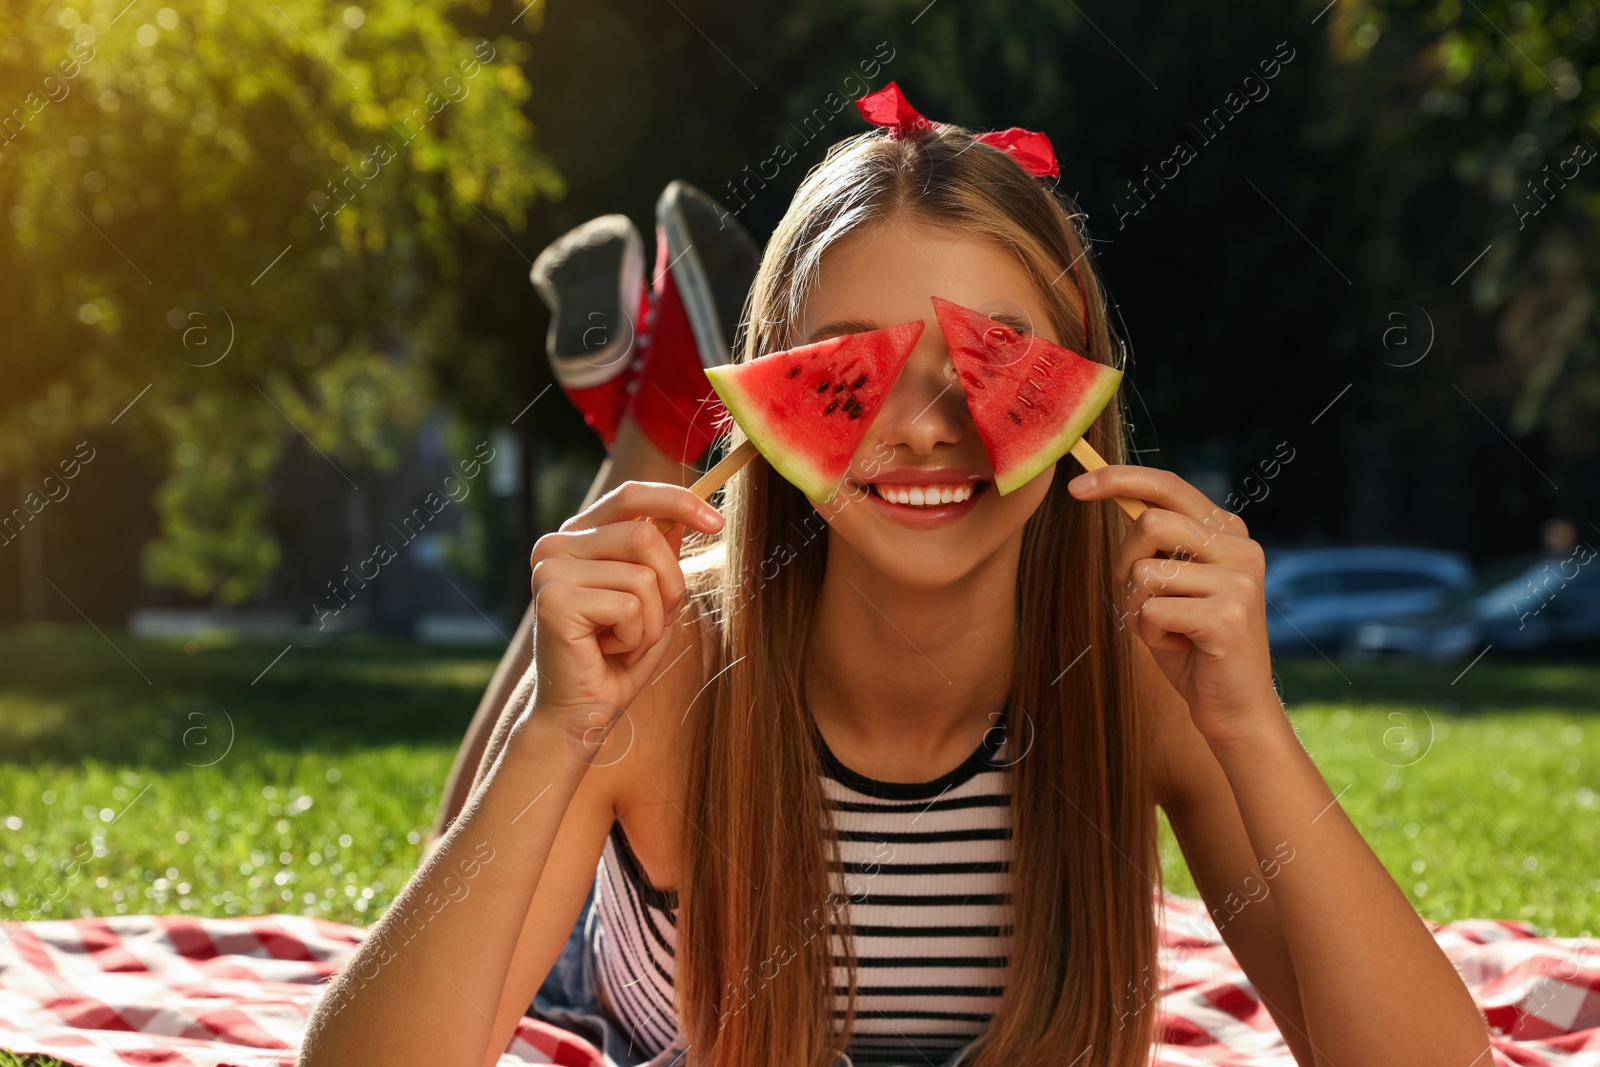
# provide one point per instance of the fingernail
(711, 515)
(1081, 484)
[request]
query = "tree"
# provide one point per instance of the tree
(230, 227)
(1481, 124)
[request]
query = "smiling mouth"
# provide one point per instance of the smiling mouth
(929, 496)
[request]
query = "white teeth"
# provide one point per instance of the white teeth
(924, 495)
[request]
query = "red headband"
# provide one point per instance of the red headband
(1032, 151)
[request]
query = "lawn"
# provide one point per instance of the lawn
(214, 778)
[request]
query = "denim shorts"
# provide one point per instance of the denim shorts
(570, 999)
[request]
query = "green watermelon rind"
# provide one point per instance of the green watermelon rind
(1089, 408)
(807, 477)
(789, 460)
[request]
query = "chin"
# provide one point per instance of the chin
(895, 567)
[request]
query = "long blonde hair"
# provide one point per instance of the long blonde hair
(754, 966)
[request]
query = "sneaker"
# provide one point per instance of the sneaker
(715, 261)
(592, 279)
(705, 264)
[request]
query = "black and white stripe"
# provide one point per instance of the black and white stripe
(927, 870)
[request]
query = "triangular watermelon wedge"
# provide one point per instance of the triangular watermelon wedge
(806, 409)
(1030, 399)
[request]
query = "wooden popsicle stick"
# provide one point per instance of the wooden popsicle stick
(1085, 454)
(712, 480)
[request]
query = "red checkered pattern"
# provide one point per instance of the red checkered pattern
(176, 991)
(1540, 995)
(186, 992)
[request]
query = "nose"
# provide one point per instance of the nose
(926, 407)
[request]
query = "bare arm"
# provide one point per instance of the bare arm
(633, 456)
(430, 982)
(491, 715)
(1199, 803)
(1374, 984)
(425, 985)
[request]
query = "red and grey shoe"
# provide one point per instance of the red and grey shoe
(705, 264)
(592, 279)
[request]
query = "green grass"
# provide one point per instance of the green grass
(1481, 796)
(323, 775)
(339, 751)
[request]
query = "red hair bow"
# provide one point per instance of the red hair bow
(1032, 150)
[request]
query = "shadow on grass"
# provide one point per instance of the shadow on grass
(69, 693)
(1463, 688)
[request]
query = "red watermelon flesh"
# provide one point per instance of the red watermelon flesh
(806, 409)
(1030, 399)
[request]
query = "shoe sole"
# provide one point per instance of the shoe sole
(592, 278)
(713, 261)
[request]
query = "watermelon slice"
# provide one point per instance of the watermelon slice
(1030, 399)
(806, 409)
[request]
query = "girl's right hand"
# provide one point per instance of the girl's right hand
(606, 587)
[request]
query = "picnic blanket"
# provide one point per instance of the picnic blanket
(179, 991)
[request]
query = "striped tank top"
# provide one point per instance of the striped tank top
(927, 868)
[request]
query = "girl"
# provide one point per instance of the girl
(879, 784)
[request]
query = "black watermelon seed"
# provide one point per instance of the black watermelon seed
(822, 387)
(1015, 417)
(794, 370)
(856, 409)
(839, 388)
(831, 405)
(859, 382)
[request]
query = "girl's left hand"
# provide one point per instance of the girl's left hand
(1202, 610)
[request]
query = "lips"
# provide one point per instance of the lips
(924, 516)
(927, 494)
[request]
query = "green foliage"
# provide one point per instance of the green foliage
(1487, 115)
(489, 534)
(242, 207)
(214, 499)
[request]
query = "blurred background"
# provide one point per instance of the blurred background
(264, 292)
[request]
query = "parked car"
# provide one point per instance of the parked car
(1316, 598)
(1527, 603)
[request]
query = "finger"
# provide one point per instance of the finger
(631, 541)
(614, 575)
(1156, 637)
(1203, 622)
(1152, 578)
(1161, 488)
(648, 500)
(574, 612)
(1159, 530)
